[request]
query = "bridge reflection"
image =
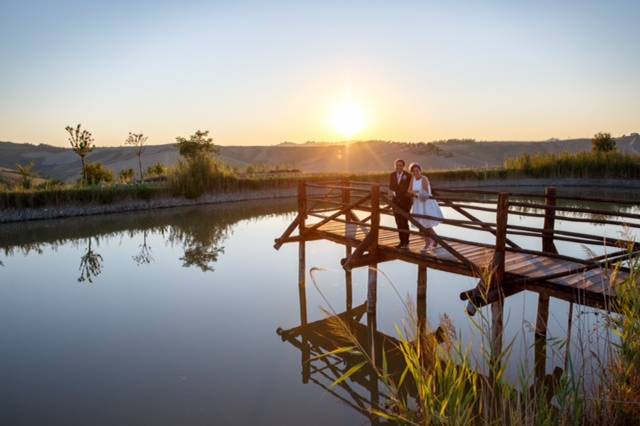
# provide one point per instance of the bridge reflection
(324, 365)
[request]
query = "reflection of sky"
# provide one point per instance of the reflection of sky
(158, 340)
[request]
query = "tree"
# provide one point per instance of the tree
(27, 173)
(198, 145)
(81, 143)
(138, 140)
(603, 142)
(126, 175)
(96, 173)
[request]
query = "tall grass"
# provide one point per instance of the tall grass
(452, 387)
(581, 165)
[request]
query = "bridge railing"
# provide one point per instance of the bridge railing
(343, 201)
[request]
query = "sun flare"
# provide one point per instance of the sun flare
(348, 119)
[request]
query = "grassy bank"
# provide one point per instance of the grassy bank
(191, 183)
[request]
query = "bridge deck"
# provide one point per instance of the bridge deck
(518, 265)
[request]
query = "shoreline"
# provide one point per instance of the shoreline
(124, 206)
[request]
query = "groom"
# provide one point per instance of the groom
(399, 182)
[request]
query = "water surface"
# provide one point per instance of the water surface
(170, 317)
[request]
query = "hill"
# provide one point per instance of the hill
(367, 156)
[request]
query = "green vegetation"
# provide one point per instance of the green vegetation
(444, 384)
(156, 170)
(199, 172)
(95, 173)
(126, 175)
(81, 143)
(597, 164)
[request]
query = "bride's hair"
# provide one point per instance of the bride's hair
(414, 165)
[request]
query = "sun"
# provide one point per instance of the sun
(348, 119)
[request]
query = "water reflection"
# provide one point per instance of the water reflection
(325, 363)
(90, 264)
(199, 233)
(144, 256)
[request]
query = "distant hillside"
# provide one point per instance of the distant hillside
(369, 156)
(11, 178)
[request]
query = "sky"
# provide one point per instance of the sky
(260, 73)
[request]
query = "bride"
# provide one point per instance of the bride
(423, 204)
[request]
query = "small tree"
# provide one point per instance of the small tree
(27, 173)
(199, 144)
(127, 175)
(603, 142)
(138, 140)
(81, 143)
(98, 173)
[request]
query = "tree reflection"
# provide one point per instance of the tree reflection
(144, 255)
(201, 241)
(90, 264)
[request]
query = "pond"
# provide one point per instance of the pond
(171, 317)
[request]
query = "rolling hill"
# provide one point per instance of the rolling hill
(368, 156)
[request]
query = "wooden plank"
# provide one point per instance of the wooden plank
(539, 266)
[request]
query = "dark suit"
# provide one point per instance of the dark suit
(403, 199)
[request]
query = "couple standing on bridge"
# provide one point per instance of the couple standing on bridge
(412, 191)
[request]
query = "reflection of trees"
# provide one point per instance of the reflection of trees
(199, 231)
(90, 264)
(144, 255)
(201, 241)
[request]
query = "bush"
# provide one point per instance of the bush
(197, 176)
(156, 170)
(96, 173)
(126, 175)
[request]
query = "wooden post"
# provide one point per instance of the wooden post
(348, 281)
(302, 295)
(375, 218)
(502, 217)
(540, 339)
(497, 331)
(346, 198)
(421, 299)
(372, 290)
(374, 346)
(302, 206)
(548, 245)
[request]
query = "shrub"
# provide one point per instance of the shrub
(97, 173)
(194, 177)
(126, 175)
(156, 170)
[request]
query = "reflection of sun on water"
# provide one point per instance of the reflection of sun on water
(348, 119)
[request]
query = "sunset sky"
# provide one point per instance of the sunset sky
(258, 73)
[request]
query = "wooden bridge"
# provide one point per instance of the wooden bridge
(353, 214)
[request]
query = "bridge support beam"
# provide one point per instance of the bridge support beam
(302, 295)
(540, 340)
(548, 245)
(421, 299)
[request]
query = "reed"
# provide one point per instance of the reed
(454, 387)
(614, 165)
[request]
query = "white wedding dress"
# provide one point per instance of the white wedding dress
(424, 204)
